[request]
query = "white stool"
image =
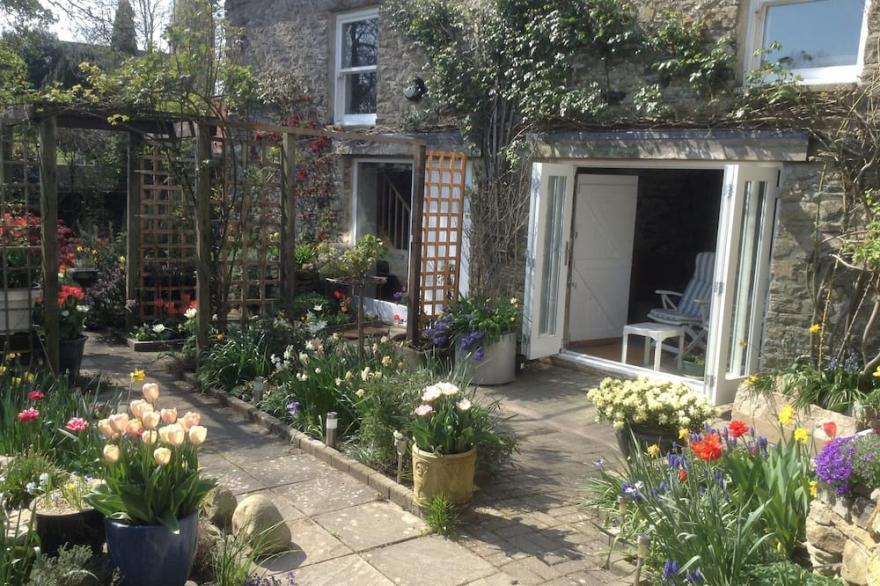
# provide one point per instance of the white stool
(653, 331)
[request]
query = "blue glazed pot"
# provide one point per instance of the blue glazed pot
(150, 555)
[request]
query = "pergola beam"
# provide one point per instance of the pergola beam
(203, 227)
(414, 275)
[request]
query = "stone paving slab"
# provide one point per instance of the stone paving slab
(429, 560)
(371, 525)
(349, 570)
(311, 544)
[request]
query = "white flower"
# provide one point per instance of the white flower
(310, 345)
(359, 392)
(334, 336)
(365, 374)
(317, 371)
(31, 488)
(431, 393)
(44, 479)
(64, 313)
(318, 307)
(303, 357)
(159, 328)
(302, 377)
(463, 405)
(383, 339)
(447, 388)
(423, 410)
(338, 381)
(83, 308)
(190, 313)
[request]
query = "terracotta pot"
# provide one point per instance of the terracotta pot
(451, 475)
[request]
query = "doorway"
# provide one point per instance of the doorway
(678, 250)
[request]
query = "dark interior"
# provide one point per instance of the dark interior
(676, 217)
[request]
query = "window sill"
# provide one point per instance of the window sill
(363, 121)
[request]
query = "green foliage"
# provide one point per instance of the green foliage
(475, 321)
(73, 565)
(304, 254)
(123, 37)
(441, 516)
(353, 264)
(26, 477)
(866, 462)
(14, 84)
(786, 573)
(18, 545)
(236, 558)
(333, 310)
(837, 385)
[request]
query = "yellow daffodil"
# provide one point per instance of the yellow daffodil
(11, 355)
(2, 369)
(801, 435)
(654, 451)
(122, 260)
(815, 328)
(16, 380)
(137, 375)
(29, 377)
(684, 434)
(786, 415)
(877, 372)
(814, 488)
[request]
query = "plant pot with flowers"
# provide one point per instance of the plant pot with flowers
(72, 311)
(647, 413)
(151, 491)
(63, 518)
(483, 333)
(446, 430)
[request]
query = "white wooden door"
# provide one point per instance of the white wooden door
(741, 281)
(546, 262)
(601, 258)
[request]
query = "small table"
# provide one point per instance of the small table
(656, 332)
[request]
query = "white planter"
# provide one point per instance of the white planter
(16, 306)
(498, 365)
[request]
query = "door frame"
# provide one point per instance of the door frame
(725, 218)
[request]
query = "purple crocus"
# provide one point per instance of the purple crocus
(292, 408)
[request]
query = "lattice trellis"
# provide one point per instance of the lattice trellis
(20, 236)
(441, 228)
(167, 239)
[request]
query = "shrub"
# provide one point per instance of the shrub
(834, 385)
(27, 476)
(474, 322)
(441, 516)
(786, 573)
(849, 463)
(242, 356)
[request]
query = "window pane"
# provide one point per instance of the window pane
(360, 93)
(549, 306)
(360, 43)
(820, 33)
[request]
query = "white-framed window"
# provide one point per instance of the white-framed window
(357, 52)
(821, 41)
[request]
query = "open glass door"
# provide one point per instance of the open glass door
(739, 290)
(547, 261)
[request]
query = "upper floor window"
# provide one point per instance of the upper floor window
(821, 41)
(357, 50)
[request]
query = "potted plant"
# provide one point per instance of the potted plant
(693, 364)
(20, 245)
(651, 412)
(151, 491)
(63, 518)
(72, 311)
(445, 434)
(483, 334)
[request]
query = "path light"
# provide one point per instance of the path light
(330, 434)
(400, 444)
(642, 553)
(259, 386)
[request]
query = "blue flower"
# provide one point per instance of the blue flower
(694, 577)
(633, 491)
(479, 354)
(292, 408)
(670, 569)
(599, 463)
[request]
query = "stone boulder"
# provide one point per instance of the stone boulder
(219, 505)
(258, 518)
(208, 544)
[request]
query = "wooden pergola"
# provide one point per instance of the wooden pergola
(49, 118)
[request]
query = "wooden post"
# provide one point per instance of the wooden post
(49, 212)
(132, 226)
(288, 221)
(414, 278)
(203, 227)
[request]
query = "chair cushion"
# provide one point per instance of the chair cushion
(700, 286)
(670, 316)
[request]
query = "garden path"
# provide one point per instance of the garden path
(524, 528)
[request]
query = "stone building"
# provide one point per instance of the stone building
(615, 215)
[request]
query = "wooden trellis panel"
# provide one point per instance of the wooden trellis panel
(441, 229)
(167, 239)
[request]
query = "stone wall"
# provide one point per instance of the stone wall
(843, 537)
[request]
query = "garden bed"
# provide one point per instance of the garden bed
(154, 345)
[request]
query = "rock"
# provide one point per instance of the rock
(873, 569)
(5, 461)
(823, 562)
(18, 526)
(821, 513)
(257, 517)
(219, 505)
(824, 537)
(855, 564)
(862, 512)
(210, 538)
(190, 583)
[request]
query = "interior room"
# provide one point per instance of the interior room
(635, 232)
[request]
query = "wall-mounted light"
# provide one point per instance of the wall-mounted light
(415, 90)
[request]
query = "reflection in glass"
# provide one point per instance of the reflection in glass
(817, 33)
(360, 43)
(360, 93)
(553, 252)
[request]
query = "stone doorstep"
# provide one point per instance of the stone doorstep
(388, 488)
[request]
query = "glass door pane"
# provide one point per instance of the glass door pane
(553, 255)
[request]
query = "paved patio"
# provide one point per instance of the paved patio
(523, 528)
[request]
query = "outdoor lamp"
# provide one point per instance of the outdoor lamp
(644, 544)
(400, 444)
(259, 386)
(330, 435)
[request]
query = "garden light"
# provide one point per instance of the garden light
(400, 445)
(259, 385)
(330, 435)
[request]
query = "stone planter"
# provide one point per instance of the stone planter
(843, 536)
(498, 365)
(644, 436)
(16, 307)
(451, 476)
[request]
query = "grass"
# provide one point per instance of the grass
(441, 516)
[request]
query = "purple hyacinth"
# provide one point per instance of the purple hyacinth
(670, 569)
(834, 464)
(694, 577)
